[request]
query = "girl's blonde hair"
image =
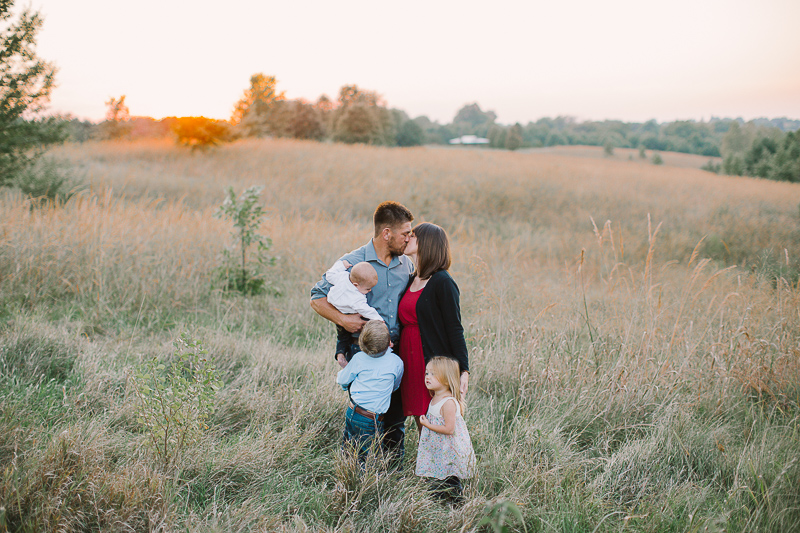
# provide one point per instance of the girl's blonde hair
(446, 370)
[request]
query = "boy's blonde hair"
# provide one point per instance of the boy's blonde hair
(374, 339)
(446, 370)
(364, 274)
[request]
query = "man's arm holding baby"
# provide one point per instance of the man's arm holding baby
(352, 323)
(320, 304)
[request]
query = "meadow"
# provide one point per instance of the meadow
(634, 337)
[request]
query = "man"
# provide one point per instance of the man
(392, 224)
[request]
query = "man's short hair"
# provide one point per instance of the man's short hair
(390, 214)
(374, 338)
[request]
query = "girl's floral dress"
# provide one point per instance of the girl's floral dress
(441, 456)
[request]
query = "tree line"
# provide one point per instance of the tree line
(760, 151)
(763, 147)
(355, 116)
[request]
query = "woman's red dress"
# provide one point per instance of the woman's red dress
(416, 396)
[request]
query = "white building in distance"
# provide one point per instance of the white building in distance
(469, 139)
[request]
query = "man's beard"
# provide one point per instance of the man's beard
(397, 250)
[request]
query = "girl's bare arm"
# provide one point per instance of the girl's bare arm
(449, 414)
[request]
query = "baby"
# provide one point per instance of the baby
(349, 295)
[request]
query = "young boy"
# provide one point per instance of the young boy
(349, 295)
(370, 378)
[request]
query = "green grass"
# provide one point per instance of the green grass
(677, 411)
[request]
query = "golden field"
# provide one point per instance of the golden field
(634, 332)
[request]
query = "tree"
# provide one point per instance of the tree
(361, 117)
(325, 107)
(239, 272)
(78, 130)
(410, 134)
(351, 94)
(554, 138)
(252, 111)
(737, 139)
(787, 160)
(324, 104)
(470, 119)
(200, 132)
(473, 115)
(116, 124)
(25, 85)
(357, 124)
(514, 137)
(305, 122)
(117, 110)
(497, 136)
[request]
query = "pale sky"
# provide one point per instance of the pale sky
(631, 60)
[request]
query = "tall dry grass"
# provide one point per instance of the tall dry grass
(639, 374)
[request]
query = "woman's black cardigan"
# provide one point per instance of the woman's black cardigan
(439, 317)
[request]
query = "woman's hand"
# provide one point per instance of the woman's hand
(464, 384)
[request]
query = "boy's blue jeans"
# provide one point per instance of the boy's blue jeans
(361, 432)
(393, 428)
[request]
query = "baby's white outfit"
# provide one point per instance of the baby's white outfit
(344, 296)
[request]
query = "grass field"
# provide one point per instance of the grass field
(631, 155)
(634, 336)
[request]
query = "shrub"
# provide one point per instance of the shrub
(238, 272)
(47, 179)
(499, 514)
(712, 167)
(657, 160)
(200, 132)
(175, 403)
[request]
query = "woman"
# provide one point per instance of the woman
(430, 313)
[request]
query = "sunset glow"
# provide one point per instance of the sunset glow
(615, 60)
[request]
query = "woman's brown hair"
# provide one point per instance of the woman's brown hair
(433, 249)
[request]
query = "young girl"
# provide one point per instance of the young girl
(445, 451)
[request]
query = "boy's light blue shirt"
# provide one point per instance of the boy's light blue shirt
(372, 379)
